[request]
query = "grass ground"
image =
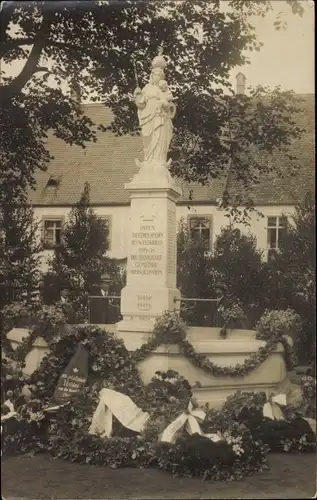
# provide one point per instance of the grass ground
(39, 477)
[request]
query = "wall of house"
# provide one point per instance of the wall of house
(119, 223)
(257, 224)
(118, 216)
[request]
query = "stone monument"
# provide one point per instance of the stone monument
(151, 268)
(151, 273)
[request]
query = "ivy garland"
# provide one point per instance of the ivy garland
(239, 370)
(168, 329)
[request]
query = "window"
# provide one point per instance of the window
(52, 182)
(52, 232)
(276, 227)
(200, 229)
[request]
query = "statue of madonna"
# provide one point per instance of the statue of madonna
(155, 112)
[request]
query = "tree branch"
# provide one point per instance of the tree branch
(18, 42)
(6, 13)
(41, 68)
(31, 65)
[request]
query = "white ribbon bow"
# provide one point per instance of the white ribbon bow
(190, 419)
(11, 413)
(122, 407)
(271, 408)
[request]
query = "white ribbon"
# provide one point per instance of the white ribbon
(190, 419)
(214, 437)
(272, 409)
(11, 413)
(55, 408)
(122, 407)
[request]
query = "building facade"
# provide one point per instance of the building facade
(110, 163)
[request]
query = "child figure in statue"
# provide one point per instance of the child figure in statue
(166, 98)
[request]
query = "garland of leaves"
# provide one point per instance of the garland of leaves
(170, 329)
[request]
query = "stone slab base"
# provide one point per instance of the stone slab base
(158, 300)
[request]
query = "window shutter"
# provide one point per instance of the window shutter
(211, 232)
(42, 230)
(107, 221)
(62, 228)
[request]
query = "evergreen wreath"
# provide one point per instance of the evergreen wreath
(245, 409)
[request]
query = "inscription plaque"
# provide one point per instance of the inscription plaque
(144, 301)
(147, 256)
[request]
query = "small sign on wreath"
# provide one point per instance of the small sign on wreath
(74, 377)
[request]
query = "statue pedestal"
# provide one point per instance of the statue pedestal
(151, 269)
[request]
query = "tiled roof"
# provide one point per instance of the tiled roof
(106, 164)
(273, 189)
(109, 163)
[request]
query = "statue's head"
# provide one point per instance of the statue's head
(163, 85)
(157, 74)
(159, 61)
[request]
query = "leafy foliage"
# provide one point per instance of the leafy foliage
(19, 249)
(292, 277)
(108, 356)
(209, 136)
(199, 456)
(245, 410)
(65, 433)
(235, 261)
(308, 387)
(14, 315)
(278, 323)
(193, 275)
(81, 255)
(169, 329)
(40, 321)
(239, 263)
(233, 318)
(12, 380)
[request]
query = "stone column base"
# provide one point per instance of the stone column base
(141, 309)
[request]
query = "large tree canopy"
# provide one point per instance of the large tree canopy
(94, 43)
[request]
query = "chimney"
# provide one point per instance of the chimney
(241, 79)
